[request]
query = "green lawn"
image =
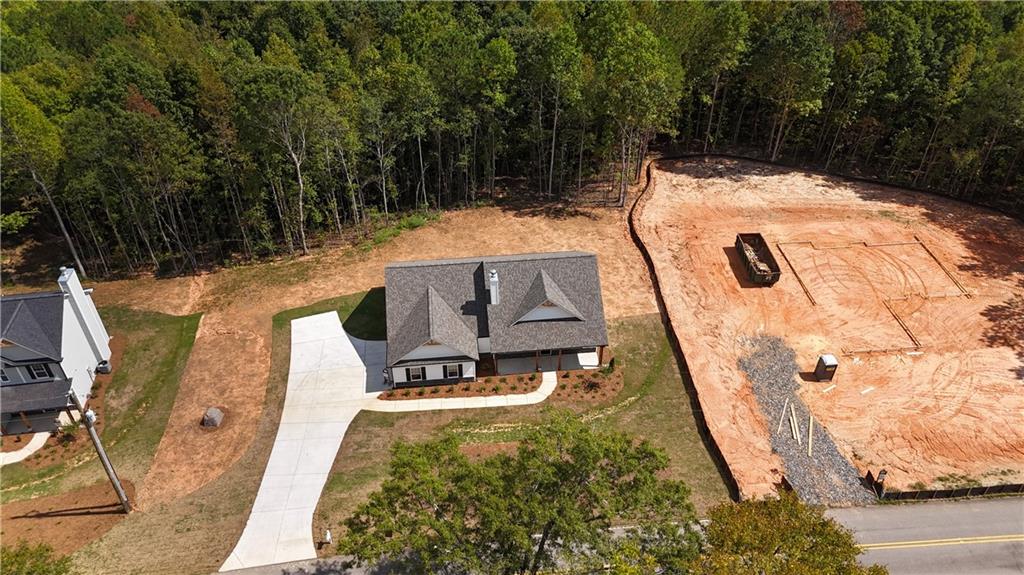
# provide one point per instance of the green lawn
(653, 404)
(137, 405)
(194, 534)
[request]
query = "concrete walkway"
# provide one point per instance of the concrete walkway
(547, 385)
(331, 378)
(35, 444)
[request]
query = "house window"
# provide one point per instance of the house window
(452, 370)
(3, 376)
(415, 373)
(39, 371)
(548, 351)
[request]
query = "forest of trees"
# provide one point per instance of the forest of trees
(172, 136)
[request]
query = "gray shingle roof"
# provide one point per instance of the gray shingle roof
(35, 396)
(567, 279)
(34, 321)
(432, 320)
(544, 289)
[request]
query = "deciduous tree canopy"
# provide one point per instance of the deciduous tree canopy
(177, 135)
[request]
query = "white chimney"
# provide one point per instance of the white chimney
(85, 311)
(493, 287)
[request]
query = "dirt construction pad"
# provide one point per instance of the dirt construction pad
(920, 298)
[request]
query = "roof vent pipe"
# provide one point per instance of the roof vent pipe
(492, 281)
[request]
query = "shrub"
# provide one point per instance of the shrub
(451, 389)
(501, 380)
(592, 385)
(434, 390)
(533, 377)
(421, 391)
(496, 388)
(466, 387)
(405, 393)
(610, 368)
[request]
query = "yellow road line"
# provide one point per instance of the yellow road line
(939, 542)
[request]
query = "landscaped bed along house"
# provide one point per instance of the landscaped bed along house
(454, 320)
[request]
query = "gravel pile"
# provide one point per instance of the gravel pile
(823, 478)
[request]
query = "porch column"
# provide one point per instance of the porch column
(559, 366)
(600, 355)
(24, 420)
(536, 360)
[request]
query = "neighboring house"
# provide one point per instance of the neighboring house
(453, 320)
(51, 343)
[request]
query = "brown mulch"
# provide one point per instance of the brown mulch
(586, 386)
(66, 522)
(61, 446)
(483, 387)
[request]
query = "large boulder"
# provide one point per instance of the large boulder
(212, 417)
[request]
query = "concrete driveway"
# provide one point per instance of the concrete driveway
(330, 378)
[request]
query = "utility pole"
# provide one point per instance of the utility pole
(90, 419)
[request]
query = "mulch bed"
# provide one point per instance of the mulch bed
(586, 386)
(482, 387)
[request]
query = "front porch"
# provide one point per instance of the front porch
(556, 362)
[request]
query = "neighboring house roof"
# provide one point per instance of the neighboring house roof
(35, 396)
(34, 321)
(432, 321)
(568, 280)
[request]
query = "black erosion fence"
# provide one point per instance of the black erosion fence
(877, 485)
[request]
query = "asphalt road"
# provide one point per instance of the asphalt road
(976, 537)
(973, 537)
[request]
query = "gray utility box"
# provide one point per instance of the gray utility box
(826, 368)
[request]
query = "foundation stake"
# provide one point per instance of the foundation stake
(783, 418)
(810, 433)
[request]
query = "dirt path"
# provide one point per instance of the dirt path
(67, 521)
(935, 396)
(231, 355)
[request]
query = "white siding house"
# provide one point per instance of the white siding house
(52, 343)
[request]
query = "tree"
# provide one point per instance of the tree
(32, 147)
(790, 67)
(775, 536)
(640, 95)
(551, 503)
(25, 559)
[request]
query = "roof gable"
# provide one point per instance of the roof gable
(431, 321)
(544, 291)
(34, 322)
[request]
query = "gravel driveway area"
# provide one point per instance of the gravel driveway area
(823, 478)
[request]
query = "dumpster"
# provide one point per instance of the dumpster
(758, 259)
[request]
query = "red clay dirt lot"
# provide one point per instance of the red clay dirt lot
(921, 299)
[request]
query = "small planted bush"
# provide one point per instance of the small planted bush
(434, 391)
(421, 391)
